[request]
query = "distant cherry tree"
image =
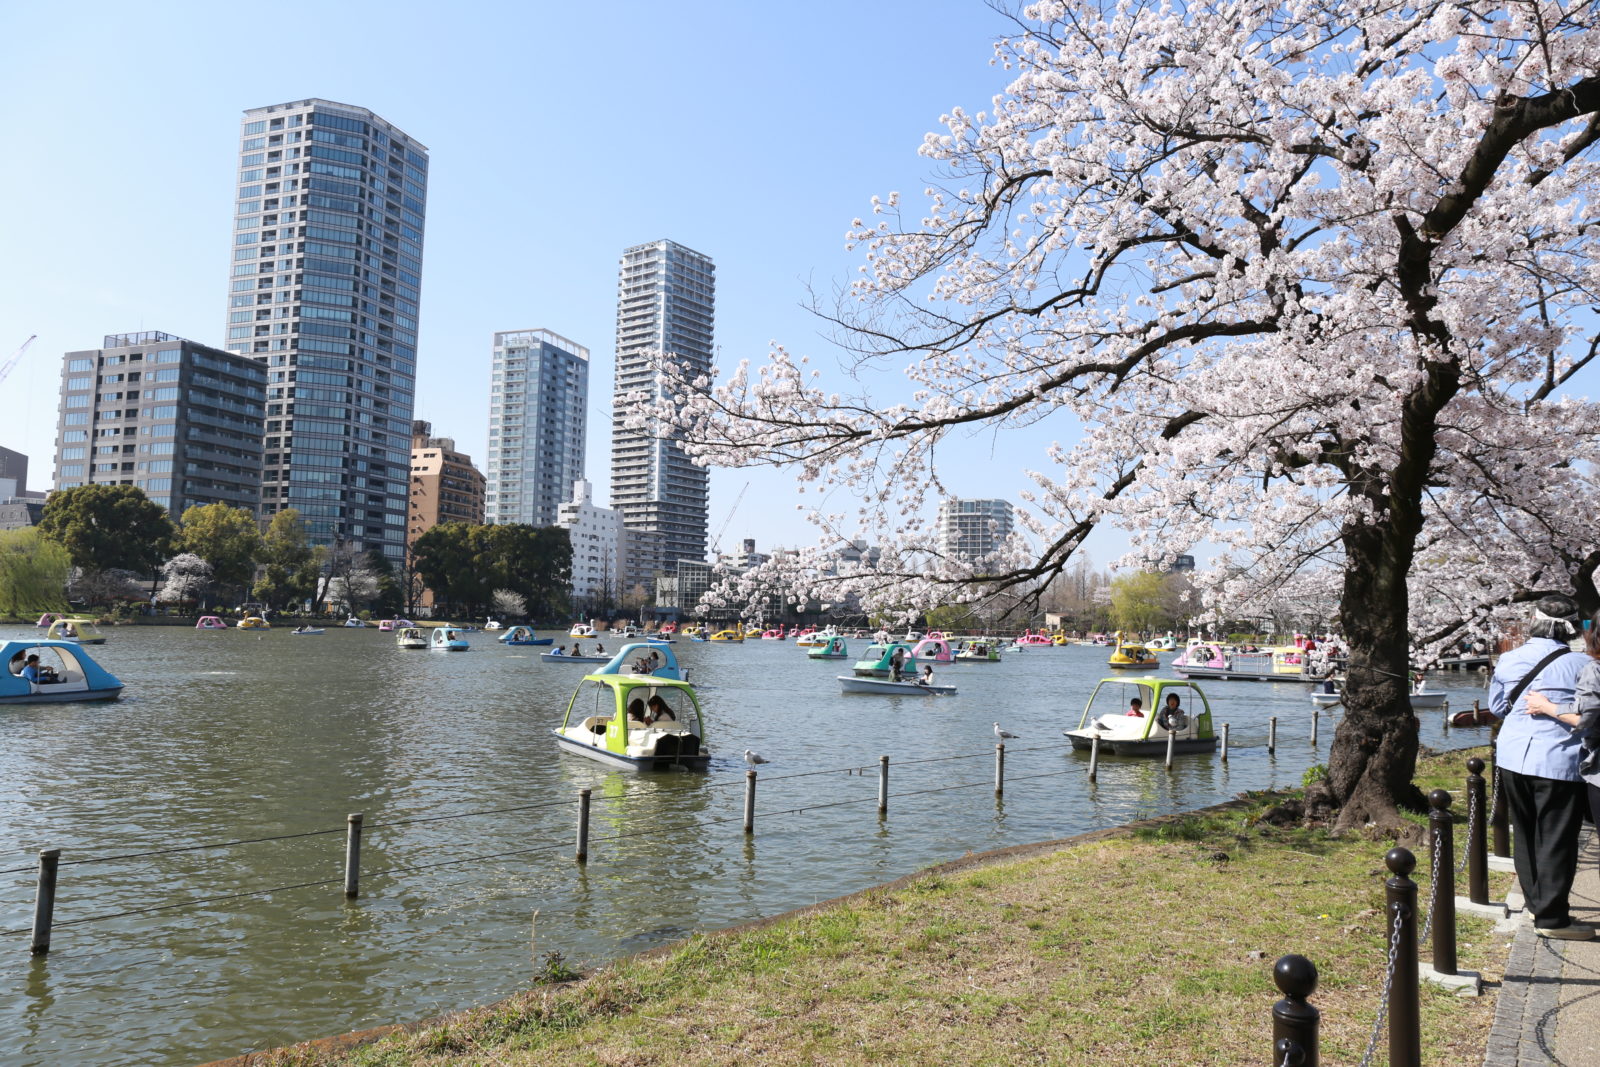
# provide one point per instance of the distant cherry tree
(1309, 281)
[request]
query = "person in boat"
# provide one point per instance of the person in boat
(658, 710)
(896, 662)
(561, 650)
(926, 678)
(1136, 708)
(1327, 686)
(599, 649)
(38, 673)
(638, 717)
(1171, 716)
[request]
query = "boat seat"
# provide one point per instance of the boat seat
(596, 724)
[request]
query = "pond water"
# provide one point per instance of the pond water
(469, 878)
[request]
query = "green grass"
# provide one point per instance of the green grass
(1151, 946)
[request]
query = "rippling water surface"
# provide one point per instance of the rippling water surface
(236, 735)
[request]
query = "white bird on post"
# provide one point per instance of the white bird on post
(753, 758)
(1005, 735)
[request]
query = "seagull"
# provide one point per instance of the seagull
(1005, 735)
(754, 758)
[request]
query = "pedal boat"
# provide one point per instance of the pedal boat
(880, 661)
(1130, 655)
(447, 639)
(81, 631)
(254, 622)
(79, 677)
(853, 683)
(522, 635)
(978, 652)
(210, 622)
(597, 724)
(1106, 717)
(834, 647)
(729, 635)
(410, 637)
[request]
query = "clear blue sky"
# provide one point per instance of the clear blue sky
(558, 135)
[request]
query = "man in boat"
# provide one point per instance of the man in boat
(561, 650)
(896, 662)
(1538, 759)
(38, 673)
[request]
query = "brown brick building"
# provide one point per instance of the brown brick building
(445, 486)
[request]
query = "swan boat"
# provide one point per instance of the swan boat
(254, 622)
(78, 677)
(1105, 717)
(410, 637)
(641, 721)
(1132, 655)
(210, 622)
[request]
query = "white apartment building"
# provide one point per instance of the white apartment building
(596, 535)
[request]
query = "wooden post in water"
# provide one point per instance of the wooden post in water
(1315, 713)
(1272, 735)
(883, 785)
(352, 855)
(1000, 769)
(1094, 757)
(1172, 742)
(44, 901)
(1224, 742)
(583, 826)
(750, 801)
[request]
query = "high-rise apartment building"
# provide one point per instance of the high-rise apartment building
(445, 486)
(178, 419)
(538, 404)
(327, 266)
(666, 298)
(972, 529)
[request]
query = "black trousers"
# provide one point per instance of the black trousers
(1546, 815)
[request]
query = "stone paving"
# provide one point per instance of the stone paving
(1549, 1006)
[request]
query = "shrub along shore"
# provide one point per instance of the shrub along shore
(1145, 944)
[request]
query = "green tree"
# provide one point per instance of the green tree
(225, 537)
(33, 573)
(444, 558)
(1138, 601)
(289, 573)
(108, 526)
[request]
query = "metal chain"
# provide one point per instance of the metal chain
(1433, 886)
(1289, 1049)
(1472, 820)
(1388, 984)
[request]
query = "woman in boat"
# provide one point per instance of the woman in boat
(638, 718)
(658, 710)
(599, 649)
(926, 677)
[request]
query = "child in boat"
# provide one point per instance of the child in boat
(1136, 708)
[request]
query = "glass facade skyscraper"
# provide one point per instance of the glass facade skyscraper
(538, 416)
(326, 280)
(666, 299)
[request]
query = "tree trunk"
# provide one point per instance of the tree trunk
(1374, 749)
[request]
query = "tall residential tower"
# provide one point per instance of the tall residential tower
(666, 296)
(327, 267)
(538, 404)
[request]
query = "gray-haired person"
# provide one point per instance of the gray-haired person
(1538, 760)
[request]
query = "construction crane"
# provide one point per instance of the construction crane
(16, 357)
(716, 542)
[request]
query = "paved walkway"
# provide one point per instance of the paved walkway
(1549, 1006)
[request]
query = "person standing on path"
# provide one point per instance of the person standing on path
(1537, 758)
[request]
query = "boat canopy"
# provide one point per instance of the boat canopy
(74, 629)
(1114, 695)
(78, 676)
(624, 662)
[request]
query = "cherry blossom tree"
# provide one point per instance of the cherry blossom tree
(1306, 280)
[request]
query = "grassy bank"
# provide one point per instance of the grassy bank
(1153, 945)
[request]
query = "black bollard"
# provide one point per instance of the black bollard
(1405, 1011)
(1442, 907)
(1294, 1018)
(1477, 837)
